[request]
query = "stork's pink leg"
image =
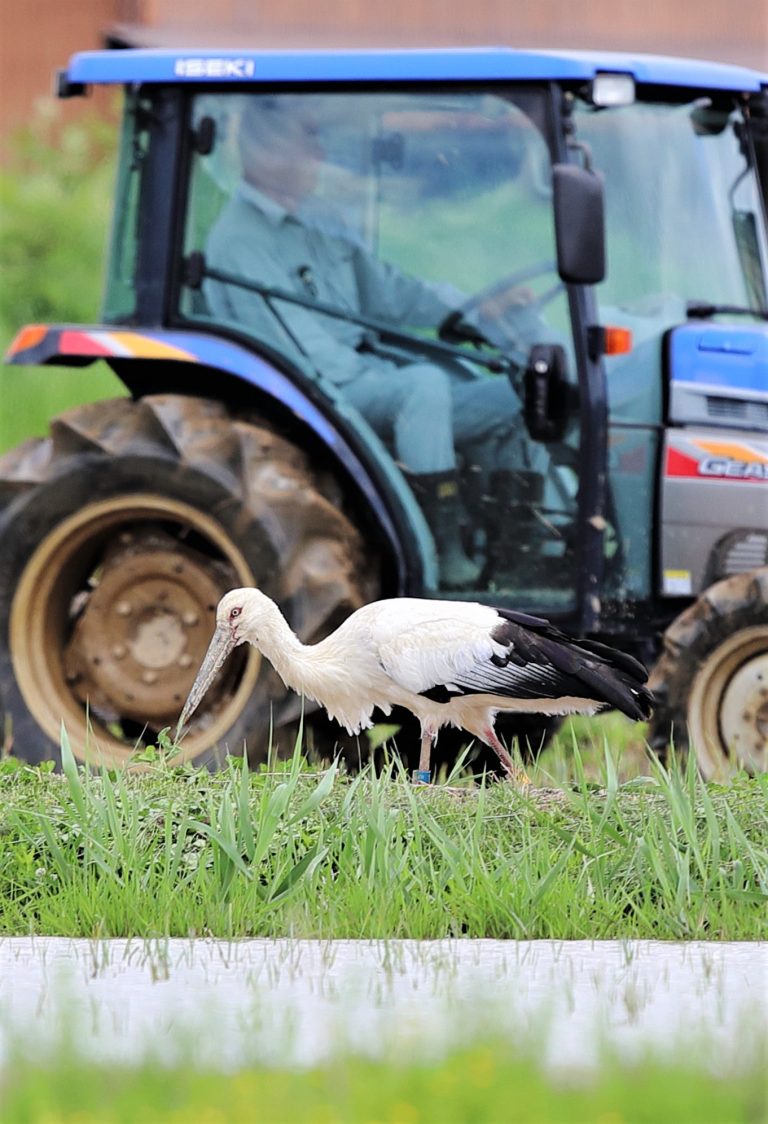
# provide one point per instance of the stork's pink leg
(423, 775)
(513, 771)
(425, 757)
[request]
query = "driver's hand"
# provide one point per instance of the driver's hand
(455, 329)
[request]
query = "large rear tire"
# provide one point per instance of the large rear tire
(119, 534)
(711, 682)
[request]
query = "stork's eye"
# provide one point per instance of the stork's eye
(233, 613)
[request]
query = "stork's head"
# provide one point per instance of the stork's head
(239, 617)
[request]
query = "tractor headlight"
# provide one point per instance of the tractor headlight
(612, 89)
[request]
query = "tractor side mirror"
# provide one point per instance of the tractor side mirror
(579, 224)
(546, 393)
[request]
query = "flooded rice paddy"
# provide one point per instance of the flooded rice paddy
(299, 1002)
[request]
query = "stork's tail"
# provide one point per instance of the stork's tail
(619, 678)
(604, 673)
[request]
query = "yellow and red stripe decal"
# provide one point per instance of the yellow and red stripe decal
(99, 343)
(718, 460)
(134, 345)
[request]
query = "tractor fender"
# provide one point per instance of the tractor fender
(194, 362)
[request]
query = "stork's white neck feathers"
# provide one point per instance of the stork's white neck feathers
(321, 671)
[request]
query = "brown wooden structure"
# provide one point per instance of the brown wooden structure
(36, 39)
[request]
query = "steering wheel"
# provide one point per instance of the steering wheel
(511, 281)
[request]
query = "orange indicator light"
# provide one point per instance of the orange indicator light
(616, 341)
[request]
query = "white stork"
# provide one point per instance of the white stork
(448, 662)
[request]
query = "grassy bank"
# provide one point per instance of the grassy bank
(484, 1083)
(292, 851)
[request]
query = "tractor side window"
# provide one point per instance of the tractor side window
(684, 226)
(674, 179)
(399, 251)
(120, 293)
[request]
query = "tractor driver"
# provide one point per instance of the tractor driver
(426, 412)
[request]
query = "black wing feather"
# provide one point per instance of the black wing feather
(542, 662)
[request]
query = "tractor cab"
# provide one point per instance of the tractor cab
(428, 264)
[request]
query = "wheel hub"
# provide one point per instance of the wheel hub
(728, 705)
(744, 714)
(112, 617)
(144, 631)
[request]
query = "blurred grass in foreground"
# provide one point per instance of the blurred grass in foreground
(482, 1084)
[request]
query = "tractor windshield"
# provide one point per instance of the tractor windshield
(398, 251)
(684, 228)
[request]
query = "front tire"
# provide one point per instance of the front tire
(120, 533)
(711, 682)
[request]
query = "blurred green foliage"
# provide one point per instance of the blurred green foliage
(55, 207)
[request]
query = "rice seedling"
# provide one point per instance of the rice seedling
(291, 850)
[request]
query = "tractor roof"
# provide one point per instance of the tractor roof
(473, 64)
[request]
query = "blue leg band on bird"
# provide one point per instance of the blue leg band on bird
(421, 776)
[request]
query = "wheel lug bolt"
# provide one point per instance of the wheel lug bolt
(149, 677)
(119, 651)
(190, 619)
(123, 608)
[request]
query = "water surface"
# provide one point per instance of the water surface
(230, 1003)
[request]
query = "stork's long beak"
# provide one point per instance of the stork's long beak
(222, 643)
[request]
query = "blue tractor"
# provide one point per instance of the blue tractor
(477, 324)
